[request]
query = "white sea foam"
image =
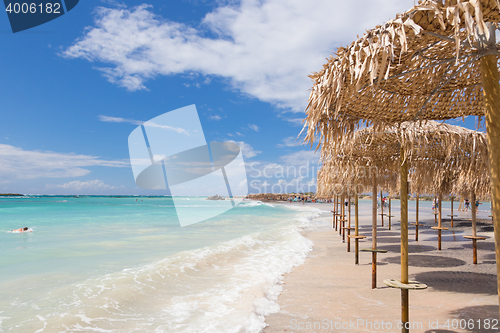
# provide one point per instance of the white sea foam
(228, 287)
(254, 204)
(250, 204)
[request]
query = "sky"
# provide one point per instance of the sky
(74, 89)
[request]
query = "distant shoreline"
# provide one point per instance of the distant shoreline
(249, 197)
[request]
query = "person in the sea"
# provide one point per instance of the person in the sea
(467, 205)
(25, 229)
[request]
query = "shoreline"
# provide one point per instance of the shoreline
(328, 290)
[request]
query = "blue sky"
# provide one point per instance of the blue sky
(73, 89)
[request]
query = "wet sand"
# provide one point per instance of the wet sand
(328, 293)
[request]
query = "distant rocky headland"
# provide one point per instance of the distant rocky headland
(216, 197)
(11, 195)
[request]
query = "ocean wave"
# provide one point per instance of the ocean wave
(228, 287)
(303, 208)
(254, 204)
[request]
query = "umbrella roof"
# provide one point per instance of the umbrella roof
(442, 158)
(424, 64)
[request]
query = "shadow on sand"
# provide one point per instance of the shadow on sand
(427, 261)
(461, 282)
(411, 248)
(481, 245)
(477, 317)
(389, 239)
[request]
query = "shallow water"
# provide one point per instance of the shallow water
(103, 264)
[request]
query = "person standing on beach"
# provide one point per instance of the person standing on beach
(467, 204)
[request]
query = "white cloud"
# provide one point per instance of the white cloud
(295, 121)
(29, 164)
(237, 133)
(109, 119)
(254, 127)
(139, 123)
(85, 185)
(302, 157)
(290, 141)
(248, 151)
(296, 170)
(215, 117)
(265, 48)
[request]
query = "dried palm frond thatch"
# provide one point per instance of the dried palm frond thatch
(443, 158)
(424, 64)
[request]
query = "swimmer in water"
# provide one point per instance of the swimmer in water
(25, 229)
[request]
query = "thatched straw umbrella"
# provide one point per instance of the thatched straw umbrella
(435, 61)
(474, 183)
(432, 149)
(351, 175)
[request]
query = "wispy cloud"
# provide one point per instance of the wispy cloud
(254, 127)
(109, 119)
(215, 117)
(295, 121)
(29, 164)
(265, 48)
(295, 172)
(139, 123)
(301, 157)
(248, 151)
(78, 185)
(290, 141)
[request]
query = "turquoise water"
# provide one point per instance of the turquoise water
(125, 265)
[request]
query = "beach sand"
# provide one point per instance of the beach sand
(328, 293)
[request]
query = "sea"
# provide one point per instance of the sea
(124, 264)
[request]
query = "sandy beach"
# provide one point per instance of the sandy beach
(329, 293)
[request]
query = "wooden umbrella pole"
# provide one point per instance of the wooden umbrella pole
(374, 231)
(390, 212)
(405, 302)
(349, 226)
(491, 95)
(473, 201)
(381, 208)
(440, 198)
(435, 208)
(474, 232)
(342, 218)
(356, 228)
(337, 209)
(416, 220)
(452, 211)
(334, 212)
